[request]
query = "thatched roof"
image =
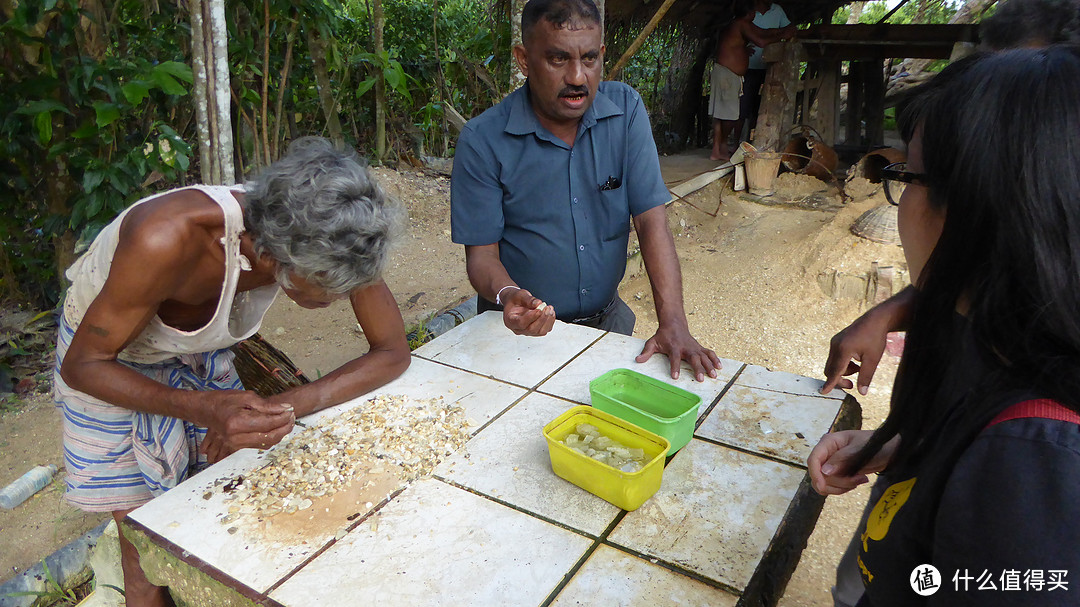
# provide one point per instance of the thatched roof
(703, 15)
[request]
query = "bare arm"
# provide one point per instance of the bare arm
(148, 268)
(387, 356)
(764, 37)
(488, 276)
(860, 345)
(662, 264)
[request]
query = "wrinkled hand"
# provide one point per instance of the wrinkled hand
(242, 419)
(830, 456)
(679, 345)
(521, 314)
(857, 348)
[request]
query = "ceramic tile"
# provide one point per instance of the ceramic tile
(438, 545)
(615, 351)
(255, 552)
(615, 578)
(509, 460)
(484, 345)
(773, 423)
(481, 397)
(715, 513)
(756, 376)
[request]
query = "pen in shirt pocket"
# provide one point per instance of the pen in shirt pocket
(612, 183)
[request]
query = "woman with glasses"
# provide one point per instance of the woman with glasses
(980, 452)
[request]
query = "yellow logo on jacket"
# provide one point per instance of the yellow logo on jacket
(877, 526)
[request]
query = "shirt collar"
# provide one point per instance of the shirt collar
(522, 119)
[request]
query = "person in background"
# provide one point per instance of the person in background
(730, 64)
(981, 448)
(768, 16)
(144, 377)
(547, 183)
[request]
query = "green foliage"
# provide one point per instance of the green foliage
(82, 135)
(933, 11)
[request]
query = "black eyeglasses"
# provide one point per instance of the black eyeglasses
(896, 179)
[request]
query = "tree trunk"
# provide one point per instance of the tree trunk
(317, 48)
(856, 12)
(378, 22)
(210, 68)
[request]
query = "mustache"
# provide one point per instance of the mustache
(574, 90)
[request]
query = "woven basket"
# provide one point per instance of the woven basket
(878, 224)
(264, 369)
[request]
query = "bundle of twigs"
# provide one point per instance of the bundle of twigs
(264, 369)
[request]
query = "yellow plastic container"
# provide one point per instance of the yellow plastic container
(627, 490)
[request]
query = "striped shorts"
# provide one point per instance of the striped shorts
(118, 459)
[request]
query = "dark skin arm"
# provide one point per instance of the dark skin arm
(860, 345)
(387, 358)
(764, 37)
(520, 309)
(662, 264)
(149, 267)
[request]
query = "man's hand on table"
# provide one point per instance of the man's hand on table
(242, 419)
(527, 315)
(677, 343)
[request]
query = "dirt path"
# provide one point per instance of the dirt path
(751, 293)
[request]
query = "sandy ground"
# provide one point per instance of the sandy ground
(751, 293)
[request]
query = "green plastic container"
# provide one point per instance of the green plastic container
(656, 406)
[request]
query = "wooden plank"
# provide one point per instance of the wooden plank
(885, 32)
(851, 50)
(874, 102)
(828, 101)
(853, 115)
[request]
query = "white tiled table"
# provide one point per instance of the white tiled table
(494, 526)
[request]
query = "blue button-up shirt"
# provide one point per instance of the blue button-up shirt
(560, 214)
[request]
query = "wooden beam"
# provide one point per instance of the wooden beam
(636, 44)
(829, 101)
(888, 32)
(853, 116)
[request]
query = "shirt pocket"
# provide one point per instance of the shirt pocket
(615, 211)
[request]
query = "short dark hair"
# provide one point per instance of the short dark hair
(572, 14)
(1019, 23)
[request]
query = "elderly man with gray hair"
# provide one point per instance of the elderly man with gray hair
(144, 376)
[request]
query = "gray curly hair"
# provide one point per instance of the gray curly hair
(320, 214)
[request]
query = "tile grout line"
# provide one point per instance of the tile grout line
(673, 567)
(584, 558)
(348, 529)
(773, 458)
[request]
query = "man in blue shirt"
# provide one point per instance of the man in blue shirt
(545, 185)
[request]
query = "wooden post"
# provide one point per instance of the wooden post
(874, 87)
(853, 132)
(777, 97)
(828, 101)
(636, 44)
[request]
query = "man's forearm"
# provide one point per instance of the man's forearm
(486, 271)
(662, 265)
(116, 384)
(355, 378)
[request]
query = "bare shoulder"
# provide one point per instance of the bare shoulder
(174, 227)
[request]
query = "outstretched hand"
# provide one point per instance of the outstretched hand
(679, 345)
(527, 315)
(242, 419)
(855, 349)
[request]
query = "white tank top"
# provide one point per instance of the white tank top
(237, 317)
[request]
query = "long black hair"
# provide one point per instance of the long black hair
(1001, 148)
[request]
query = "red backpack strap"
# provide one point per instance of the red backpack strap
(1042, 408)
